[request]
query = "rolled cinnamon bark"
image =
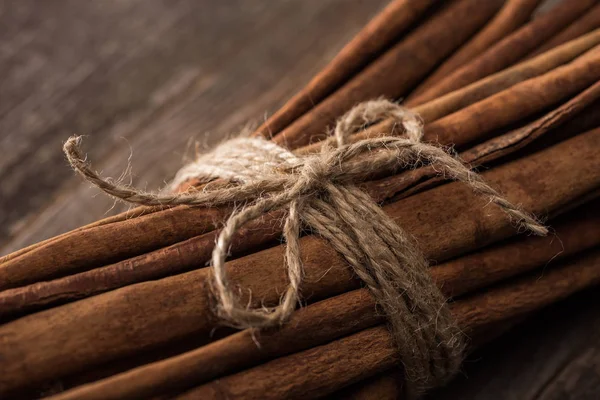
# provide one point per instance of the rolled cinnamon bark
(588, 22)
(508, 51)
(103, 244)
(398, 70)
(520, 101)
(344, 314)
(324, 369)
(545, 62)
(374, 38)
(133, 213)
(512, 15)
(503, 108)
(446, 222)
(571, 118)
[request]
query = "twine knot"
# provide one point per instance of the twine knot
(319, 191)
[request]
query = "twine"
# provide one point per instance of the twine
(319, 191)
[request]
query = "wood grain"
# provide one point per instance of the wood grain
(539, 359)
(143, 75)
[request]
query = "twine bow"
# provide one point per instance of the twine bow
(319, 191)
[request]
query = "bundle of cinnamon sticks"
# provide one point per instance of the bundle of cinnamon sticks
(123, 308)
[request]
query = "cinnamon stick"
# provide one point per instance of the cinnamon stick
(103, 244)
(133, 213)
(396, 71)
(324, 369)
(511, 16)
(588, 22)
(342, 315)
(520, 101)
(507, 51)
(447, 221)
(528, 138)
(475, 121)
(545, 62)
(376, 36)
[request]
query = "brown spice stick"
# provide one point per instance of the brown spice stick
(447, 221)
(511, 16)
(132, 213)
(342, 315)
(324, 369)
(588, 22)
(563, 116)
(101, 244)
(545, 62)
(508, 51)
(499, 110)
(521, 100)
(513, 143)
(396, 71)
(375, 37)
(586, 120)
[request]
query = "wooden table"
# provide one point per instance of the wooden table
(144, 79)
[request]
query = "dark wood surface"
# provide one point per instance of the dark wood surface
(553, 355)
(151, 76)
(143, 79)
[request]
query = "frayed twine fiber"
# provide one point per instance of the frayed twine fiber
(319, 192)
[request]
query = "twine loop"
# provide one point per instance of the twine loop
(319, 192)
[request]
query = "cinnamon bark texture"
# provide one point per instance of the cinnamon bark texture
(518, 102)
(133, 213)
(475, 122)
(513, 14)
(461, 98)
(571, 118)
(344, 314)
(447, 221)
(588, 22)
(508, 51)
(374, 38)
(102, 244)
(372, 351)
(398, 70)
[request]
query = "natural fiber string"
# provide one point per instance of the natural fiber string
(319, 192)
